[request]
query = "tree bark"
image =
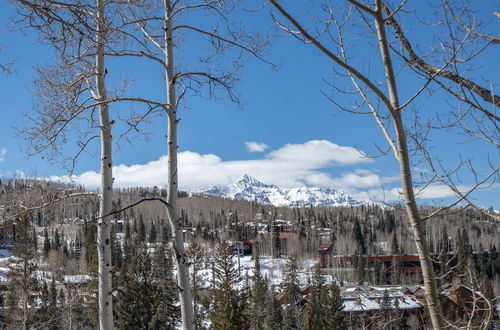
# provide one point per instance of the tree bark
(183, 280)
(401, 152)
(402, 155)
(103, 224)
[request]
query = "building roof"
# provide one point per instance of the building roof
(288, 235)
(76, 279)
(325, 246)
(356, 301)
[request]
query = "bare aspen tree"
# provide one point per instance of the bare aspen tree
(173, 214)
(78, 32)
(157, 25)
(106, 202)
(81, 31)
(475, 112)
(375, 18)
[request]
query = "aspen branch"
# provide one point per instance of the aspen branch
(47, 204)
(414, 60)
(332, 56)
(143, 200)
(225, 40)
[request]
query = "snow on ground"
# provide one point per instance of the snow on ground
(5, 253)
(271, 268)
(43, 275)
(5, 256)
(76, 278)
(383, 246)
(4, 274)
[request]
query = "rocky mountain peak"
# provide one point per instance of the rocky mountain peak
(249, 188)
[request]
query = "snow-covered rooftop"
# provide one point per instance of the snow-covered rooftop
(75, 279)
(371, 300)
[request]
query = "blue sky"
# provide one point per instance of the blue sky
(285, 132)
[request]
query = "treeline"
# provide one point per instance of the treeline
(363, 229)
(42, 294)
(60, 240)
(144, 289)
(144, 286)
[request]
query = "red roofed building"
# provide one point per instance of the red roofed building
(325, 252)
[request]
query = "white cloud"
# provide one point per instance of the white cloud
(362, 179)
(420, 170)
(20, 174)
(434, 191)
(290, 166)
(320, 152)
(379, 194)
(3, 152)
(256, 146)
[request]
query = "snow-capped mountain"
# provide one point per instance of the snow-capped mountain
(249, 188)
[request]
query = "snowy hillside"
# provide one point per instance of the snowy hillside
(248, 188)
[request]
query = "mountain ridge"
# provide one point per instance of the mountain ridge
(251, 189)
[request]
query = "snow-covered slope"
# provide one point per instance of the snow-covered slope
(248, 188)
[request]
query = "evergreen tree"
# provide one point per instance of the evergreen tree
(358, 236)
(127, 229)
(141, 297)
(22, 313)
(228, 303)
(274, 319)
(463, 251)
(141, 231)
(335, 318)
(200, 305)
(276, 241)
(57, 240)
(292, 295)
(44, 310)
(333, 237)
(385, 310)
(395, 244)
(316, 312)
(91, 258)
(46, 243)
(379, 273)
(152, 233)
(359, 264)
(163, 317)
(65, 250)
(35, 239)
(51, 312)
(489, 268)
(259, 294)
(444, 242)
(128, 252)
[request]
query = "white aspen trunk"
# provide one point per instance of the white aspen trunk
(174, 218)
(402, 155)
(103, 224)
